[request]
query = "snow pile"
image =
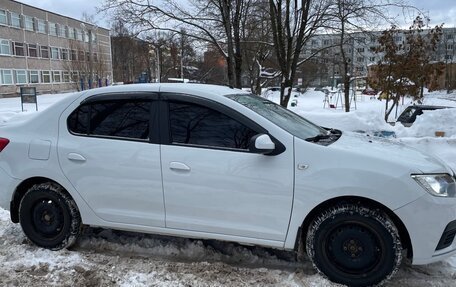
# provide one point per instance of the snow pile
(429, 122)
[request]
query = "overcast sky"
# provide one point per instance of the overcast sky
(440, 11)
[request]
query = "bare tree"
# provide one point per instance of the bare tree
(293, 23)
(217, 22)
(352, 21)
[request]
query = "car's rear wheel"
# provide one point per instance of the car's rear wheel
(49, 216)
(354, 245)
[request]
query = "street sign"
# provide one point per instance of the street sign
(28, 96)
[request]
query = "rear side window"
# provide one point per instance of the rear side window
(198, 125)
(120, 119)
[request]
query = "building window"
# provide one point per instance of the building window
(360, 50)
(326, 42)
(55, 53)
(45, 77)
(372, 59)
(64, 53)
(56, 78)
(66, 77)
(79, 35)
(88, 56)
(18, 49)
(450, 46)
(5, 48)
(449, 57)
(86, 37)
(397, 39)
(3, 17)
(44, 52)
(15, 20)
(28, 23)
(6, 77)
(81, 56)
(33, 77)
(73, 55)
(52, 29)
(41, 26)
(21, 77)
(74, 77)
(449, 36)
(60, 30)
(95, 57)
(94, 37)
(32, 50)
(360, 59)
(71, 33)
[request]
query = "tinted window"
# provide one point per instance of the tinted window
(198, 125)
(78, 122)
(126, 119)
(284, 118)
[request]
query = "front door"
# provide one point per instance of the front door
(213, 184)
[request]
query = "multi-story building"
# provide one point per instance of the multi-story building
(49, 51)
(360, 50)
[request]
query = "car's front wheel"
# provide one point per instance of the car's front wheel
(49, 216)
(354, 245)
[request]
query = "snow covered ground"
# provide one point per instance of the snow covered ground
(113, 258)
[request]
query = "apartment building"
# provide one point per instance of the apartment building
(360, 50)
(49, 51)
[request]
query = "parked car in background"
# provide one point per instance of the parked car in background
(409, 115)
(212, 162)
(369, 92)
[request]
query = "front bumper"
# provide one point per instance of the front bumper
(427, 220)
(8, 185)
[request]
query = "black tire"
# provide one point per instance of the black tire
(354, 245)
(49, 217)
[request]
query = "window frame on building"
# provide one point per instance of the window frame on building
(5, 43)
(32, 74)
(15, 16)
(54, 78)
(32, 50)
(2, 76)
(53, 56)
(17, 46)
(40, 26)
(64, 54)
(3, 15)
(52, 27)
(44, 74)
(47, 51)
(29, 23)
(23, 73)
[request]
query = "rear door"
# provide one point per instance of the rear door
(108, 149)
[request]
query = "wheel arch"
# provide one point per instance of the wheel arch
(403, 233)
(22, 188)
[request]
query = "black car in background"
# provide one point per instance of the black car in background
(408, 116)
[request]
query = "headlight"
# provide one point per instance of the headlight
(443, 185)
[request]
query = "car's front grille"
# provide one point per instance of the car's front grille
(447, 236)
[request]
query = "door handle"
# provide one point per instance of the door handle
(174, 165)
(76, 157)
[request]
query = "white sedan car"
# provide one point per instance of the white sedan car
(213, 162)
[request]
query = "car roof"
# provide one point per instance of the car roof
(186, 88)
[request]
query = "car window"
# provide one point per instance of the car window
(199, 125)
(122, 119)
(284, 118)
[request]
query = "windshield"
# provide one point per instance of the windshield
(286, 119)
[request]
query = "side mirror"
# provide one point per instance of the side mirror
(262, 144)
